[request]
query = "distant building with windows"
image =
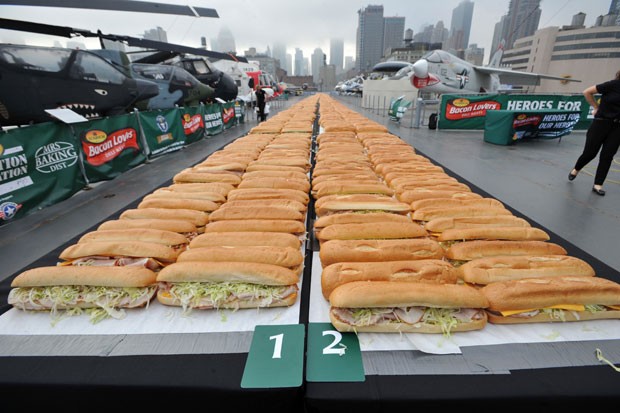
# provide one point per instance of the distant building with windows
(591, 55)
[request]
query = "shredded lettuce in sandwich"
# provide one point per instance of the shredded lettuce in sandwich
(555, 313)
(63, 300)
(194, 294)
(442, 317)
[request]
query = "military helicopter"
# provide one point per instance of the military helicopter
(175, 80)
(34, 78)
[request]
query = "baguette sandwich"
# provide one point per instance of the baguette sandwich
(483, 271)
(461, 252)
(438, 225)
(150, 255)
(226, 285)
(267, 193)
(416, 194)
(359, 218)
(186, 228)
(378, 250)
(405, 307)
(286, 257)
(65, 291)
(432, 270)
(430, 213)
(197, 218)
(454, 235)
(557, 299)
(372, 230)
(245, 238)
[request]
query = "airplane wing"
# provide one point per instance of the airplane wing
(513, 77)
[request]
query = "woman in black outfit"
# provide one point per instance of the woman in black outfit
(604, 132)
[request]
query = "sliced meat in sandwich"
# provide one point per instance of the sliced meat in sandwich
(72, 290)
(226, 285)
(552, 299)
(405, 307)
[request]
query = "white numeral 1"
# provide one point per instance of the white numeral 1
(277, 350)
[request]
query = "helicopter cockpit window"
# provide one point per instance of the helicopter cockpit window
(182, 77)
(34, 58)
(158, 73)
(93, 68)
(201, 67)
(432, 57)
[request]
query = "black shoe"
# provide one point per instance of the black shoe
(600, 192)
(571, 176)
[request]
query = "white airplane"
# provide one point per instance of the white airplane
(441, 72)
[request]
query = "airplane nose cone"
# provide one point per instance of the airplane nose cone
(420, 68)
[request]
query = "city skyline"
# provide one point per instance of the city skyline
(306, 26)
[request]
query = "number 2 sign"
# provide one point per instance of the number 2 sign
(332, 355)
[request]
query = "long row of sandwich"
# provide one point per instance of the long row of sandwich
(405, 247)
(226, 234)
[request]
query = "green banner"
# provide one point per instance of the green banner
(469, 111)
(213, 119)
(110, 146)
(39, 166)
(504, 127)
(163, 131)
(192, 120)
(228, 115)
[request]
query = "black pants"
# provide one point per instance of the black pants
(603, 135)
(261, 112)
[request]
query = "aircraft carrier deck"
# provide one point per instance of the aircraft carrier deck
(529, 177)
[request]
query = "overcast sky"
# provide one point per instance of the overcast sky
(304, 24)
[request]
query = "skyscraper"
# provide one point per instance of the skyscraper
(460, 25)
(226, 41)
(369, 41)
(393, 33)
(316, 63)
(299, 62)
(279, 53)
(336, 54)
(521, 20)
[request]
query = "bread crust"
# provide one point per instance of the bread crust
(260, 225)
(413, 195)
(219, 187)
(372, 230)
(139, 234)
(249, 272)
(266, 193)
(469, 250)
(447, 202)
(431, 270)
(503, 268)
(354, 188)
(178, 203)
(175, 225)
(283, 256)
(245, 238)
(357, 218)
(535, 293)
(189, 176)
(274, 182)
(167, 193)
(245, 212)
(85, 275)
(198, 218)
(430, 213)
(337, 206)
(369, 294)
(494, 233)
(137, 249)
(379, 250)
(438, 225)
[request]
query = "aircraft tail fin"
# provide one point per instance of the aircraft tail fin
(496, 59)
